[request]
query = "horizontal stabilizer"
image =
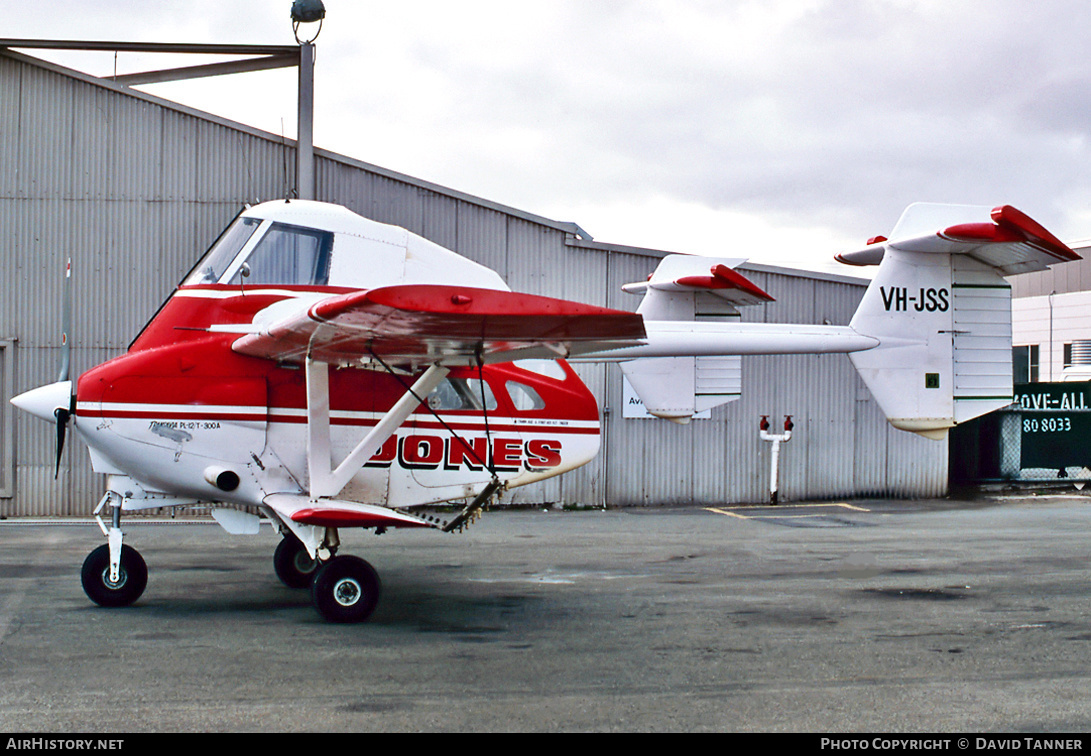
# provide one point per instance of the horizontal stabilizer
(690, 274)
(1002, 238)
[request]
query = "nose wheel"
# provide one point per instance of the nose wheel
(345, 589)
(106, 589)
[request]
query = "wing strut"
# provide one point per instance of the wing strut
(327, 481)
(470, 510)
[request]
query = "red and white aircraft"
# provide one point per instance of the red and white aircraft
(330, 372)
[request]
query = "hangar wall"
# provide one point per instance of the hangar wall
(134, 188)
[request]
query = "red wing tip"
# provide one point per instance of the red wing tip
(1011, 226)
(346, 518)
(847, 261)
(737, 281)
(1008, 217)
(981, 232)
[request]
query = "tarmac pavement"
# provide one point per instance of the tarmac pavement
(842, 617)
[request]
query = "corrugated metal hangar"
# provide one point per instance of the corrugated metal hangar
(135, 188)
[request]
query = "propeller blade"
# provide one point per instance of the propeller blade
(62, 416)
(66, 324)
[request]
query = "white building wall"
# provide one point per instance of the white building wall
(1050, 322)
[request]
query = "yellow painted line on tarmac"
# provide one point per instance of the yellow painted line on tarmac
(768, 514)
(725, 512)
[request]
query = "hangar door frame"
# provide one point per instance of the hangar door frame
(7, 419)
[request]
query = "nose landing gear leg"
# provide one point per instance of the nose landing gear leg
(113, 574)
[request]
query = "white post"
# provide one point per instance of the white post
(774, 472)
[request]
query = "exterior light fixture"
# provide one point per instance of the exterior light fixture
(307, 12)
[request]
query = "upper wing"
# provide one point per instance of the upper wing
(1004, 238)
(412, 325)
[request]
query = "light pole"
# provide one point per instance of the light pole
(306, 12)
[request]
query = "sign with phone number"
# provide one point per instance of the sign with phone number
(1056, 441)
(1055, 424)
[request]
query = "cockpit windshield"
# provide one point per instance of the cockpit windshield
(223, 252)
(255, 252)
(288, 255)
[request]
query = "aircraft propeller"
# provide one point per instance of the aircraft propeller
(63, 414)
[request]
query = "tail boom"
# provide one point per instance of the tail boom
(674, 339)
(931, 337)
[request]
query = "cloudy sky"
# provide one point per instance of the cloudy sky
(780, 130)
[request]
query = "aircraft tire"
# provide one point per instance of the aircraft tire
(293, 564)
(95, 575)
(346, 589)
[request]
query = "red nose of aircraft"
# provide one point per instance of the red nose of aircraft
(44, 401)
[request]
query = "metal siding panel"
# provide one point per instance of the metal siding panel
(132, 255)
(337, 182)
(223, 167)
(10, 116)
(45, 133)
(7, 419)
(36, 266)
(747, 457)
(397, 203)
(869, 444)
(585, 486)
(916, 466)
(272, 167)
(90, 146)
(133, 163)
(536, 262)
(829, 420)
(178, 177)
(440, 219)
(483, 237)
(586, 279)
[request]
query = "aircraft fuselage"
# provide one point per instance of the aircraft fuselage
(181, 407)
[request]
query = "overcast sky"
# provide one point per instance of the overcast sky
(780, 130)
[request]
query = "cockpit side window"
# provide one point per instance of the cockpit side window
(461, 394)
(524, 397)
(223, 252)
(288, 255)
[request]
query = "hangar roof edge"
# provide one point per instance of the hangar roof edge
(755, 267)
(563, 226)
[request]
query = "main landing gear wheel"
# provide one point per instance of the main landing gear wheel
(293, 565)
(345, 589)
(131, 581)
